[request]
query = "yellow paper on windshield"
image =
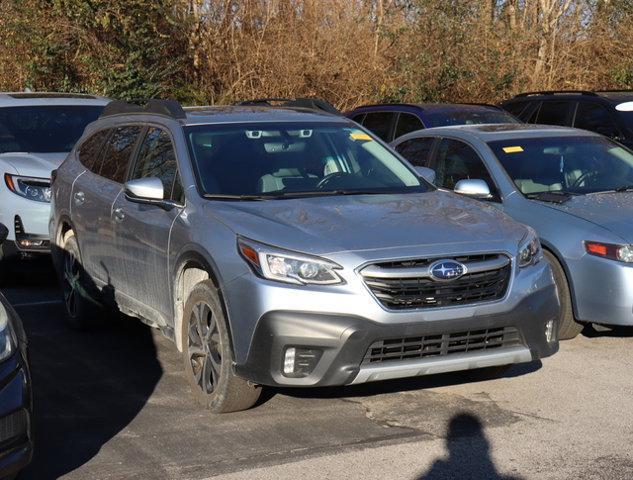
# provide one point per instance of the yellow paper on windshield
(515, 149)
(360, 136)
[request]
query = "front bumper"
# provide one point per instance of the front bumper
(27, 222)
(16, 444)
(603, 290)
(345, 339)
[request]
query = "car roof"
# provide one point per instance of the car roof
(504, 131)
(427, 107)
(202, 115)
(39, 99)
(611, 96)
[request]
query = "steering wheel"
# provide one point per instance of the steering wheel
(325, 181)
(583, 177)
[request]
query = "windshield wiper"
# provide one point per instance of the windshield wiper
(552, 197)
(319, 193)
(226, 196)
(623, 188)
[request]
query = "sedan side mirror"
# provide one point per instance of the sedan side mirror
(145, 190)
(426, 173)
(474, 188)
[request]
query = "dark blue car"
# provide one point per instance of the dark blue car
(16, 445)
(392, 120)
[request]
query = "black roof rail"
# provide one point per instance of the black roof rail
(481, 104)
(301, 102)
(555, 92)
(169, 108)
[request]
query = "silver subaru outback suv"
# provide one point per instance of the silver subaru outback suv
(290, 247)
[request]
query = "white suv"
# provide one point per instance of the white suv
(37, 130)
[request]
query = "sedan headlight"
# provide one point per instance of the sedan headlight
(288, 267)
(529, 250)
(622, 253)
(7, 341)
(33, 188)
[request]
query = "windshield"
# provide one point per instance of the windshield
(49, 129)
(295, 159)
(467, 117)
(576, 165)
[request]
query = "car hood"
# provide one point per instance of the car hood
(613, 211)
(33, 164)
(369, 222)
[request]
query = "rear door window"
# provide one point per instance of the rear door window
(417, 150)
(407, 122)
(596, 118)
(554, 113)
(89, 152)
(157, 158)
(516, 108)
(380, 123)
(359, 118)
(117, 152)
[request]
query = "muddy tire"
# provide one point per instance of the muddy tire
(567, 326)
(82, 311)
(207, 354)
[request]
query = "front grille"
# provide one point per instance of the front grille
(407, 285)
(410, 348)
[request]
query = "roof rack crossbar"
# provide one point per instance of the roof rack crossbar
(300, 102)
(554, 92)
(169, 108)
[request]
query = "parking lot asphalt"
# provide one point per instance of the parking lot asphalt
(113, 404)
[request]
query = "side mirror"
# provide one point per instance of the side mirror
(145, 190)
(427, 174)
(474, 188)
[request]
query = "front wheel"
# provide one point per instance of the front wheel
(82, 310)
(567, 326)
(207, 355)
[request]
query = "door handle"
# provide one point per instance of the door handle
(80, 198)
(119, 214)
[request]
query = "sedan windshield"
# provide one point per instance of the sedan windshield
(281, 160)
(48, 129)
(574, 165)
(466, 116)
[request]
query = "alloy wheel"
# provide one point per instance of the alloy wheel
(70, 283)
(204, 347)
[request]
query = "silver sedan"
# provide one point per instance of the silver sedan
(575, 188)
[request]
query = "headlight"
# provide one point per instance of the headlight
(36, 189)
(622, 253)
(529, 250)
(7, 341)
(289, 267)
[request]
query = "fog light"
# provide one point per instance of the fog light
(300, 361)
(289, 361)
(550, 333)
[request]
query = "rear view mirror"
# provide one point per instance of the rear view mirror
(474, 188)
(427, 174)
(145, 190)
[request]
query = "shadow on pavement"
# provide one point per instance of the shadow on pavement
(88, 386)
(597, 331)
(468, 453)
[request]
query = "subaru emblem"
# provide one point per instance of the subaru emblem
(444, 270)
